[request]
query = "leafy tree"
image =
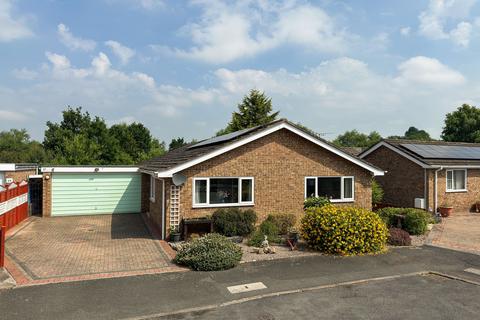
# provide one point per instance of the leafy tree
(80, 139)
(17, 147)
(353, 138)
(176, 143)
(462, 125)
(136, 141)
(414, 134)
(255, 110)
(310, 131)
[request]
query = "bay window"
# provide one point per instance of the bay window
(337, 189)
(222, 192)
(456, 180)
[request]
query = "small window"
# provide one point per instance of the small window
(456, 180)
(247, 190)
(337, 189)
(201, 191)
(152, 189)
(222, 191)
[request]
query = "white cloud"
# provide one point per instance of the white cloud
(428, 71)
(461, 34)
(330, 97)
(72, 42)
(122, 52)
(11, 28)
(11, 116)
(24, 74)
(433, 21)
(229, 32)
(405, 31)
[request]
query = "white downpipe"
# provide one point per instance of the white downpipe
(436, 190)
(163, 209)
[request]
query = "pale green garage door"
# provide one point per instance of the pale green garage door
(95, 193)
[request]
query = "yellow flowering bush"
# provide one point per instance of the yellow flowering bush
(343, 230)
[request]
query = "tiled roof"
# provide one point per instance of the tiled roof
(189, 152)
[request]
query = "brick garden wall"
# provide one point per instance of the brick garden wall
(18, 176)
(404, 180)
(47, 195)
(279, 164)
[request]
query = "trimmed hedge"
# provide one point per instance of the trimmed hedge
(209, 253)
(412, 220)
(399, 237)
(284, 222)
(234, 222)
(343, 230)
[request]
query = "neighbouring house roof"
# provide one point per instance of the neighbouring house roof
(192, 154)
(355, 151)
(432, 154)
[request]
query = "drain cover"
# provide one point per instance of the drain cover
(247, 287)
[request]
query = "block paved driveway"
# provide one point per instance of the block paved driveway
(458, 232)
(59, 247)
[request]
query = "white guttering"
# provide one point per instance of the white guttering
(435, 205)
(75, 169)
(283, 125)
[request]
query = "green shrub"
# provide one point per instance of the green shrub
(377, 192)
(234, 222)
(343, 230)
(415, 222)
(266, 228)
(284, 222)
(209, 253)
(315, 202)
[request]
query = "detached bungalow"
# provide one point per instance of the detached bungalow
(428, 174)
(270, 168)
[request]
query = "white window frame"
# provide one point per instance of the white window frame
(240, 203)
(342, 187)
(152, 189)
(446, 180)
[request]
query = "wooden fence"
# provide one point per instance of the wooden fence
(13, 210)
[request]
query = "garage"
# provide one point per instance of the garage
(92, 190)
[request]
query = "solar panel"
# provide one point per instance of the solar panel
(222, 138)
(429, 151)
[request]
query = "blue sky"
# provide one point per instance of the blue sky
(181, 67)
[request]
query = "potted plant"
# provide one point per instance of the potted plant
(174, 234)
(445, 210)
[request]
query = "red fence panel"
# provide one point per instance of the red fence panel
(3, 231)
(13, 204)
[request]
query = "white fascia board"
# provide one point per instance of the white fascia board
(169, 173)
(7, 166)
(400, 152)
(89, 169)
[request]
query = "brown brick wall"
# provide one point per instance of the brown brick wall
(404, 180)
(47, 195)
(18, 176)
(279, 164)
(461, 201)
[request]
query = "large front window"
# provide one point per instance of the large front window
(217, 192)
(456, 180)
(336, 189)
